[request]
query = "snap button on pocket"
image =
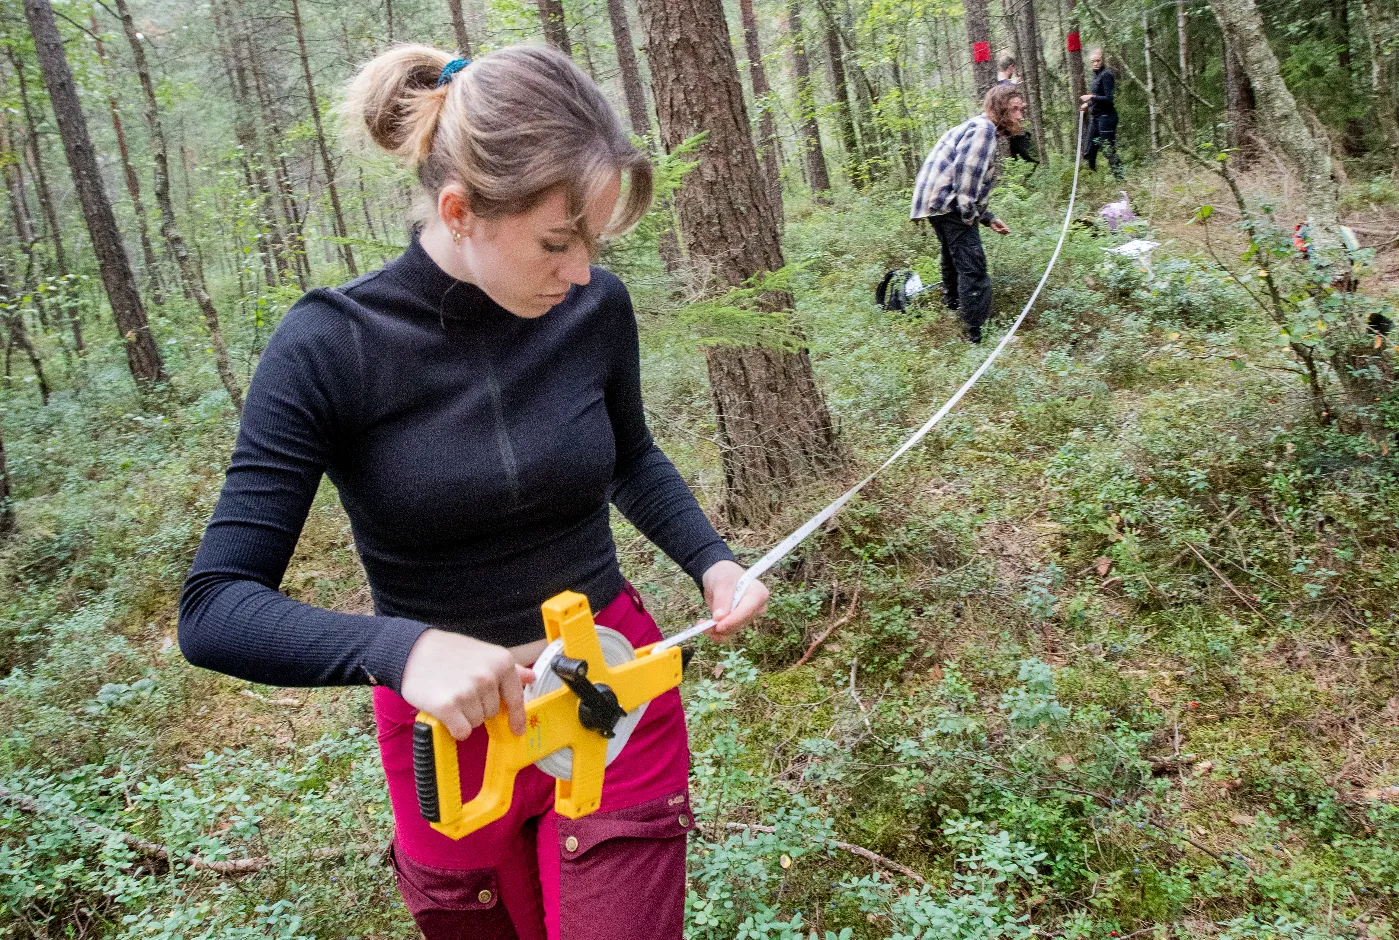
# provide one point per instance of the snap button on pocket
(571, 843)
(684, 821)
(484, 897)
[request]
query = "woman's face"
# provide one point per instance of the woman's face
(528, 262)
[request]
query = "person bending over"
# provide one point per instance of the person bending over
(1020, 145)
(951, 193)
(477, 404)
(1102, 115)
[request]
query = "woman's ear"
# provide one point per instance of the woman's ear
(454, 208)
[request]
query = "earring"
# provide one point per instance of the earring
(456, 235)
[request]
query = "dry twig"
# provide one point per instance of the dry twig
(859, 850)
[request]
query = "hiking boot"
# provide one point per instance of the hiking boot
(974, 334)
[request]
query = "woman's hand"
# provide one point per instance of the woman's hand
(719, 583)
(461, 681)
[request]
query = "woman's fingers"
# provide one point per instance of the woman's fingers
(750, 606)
(512, 696)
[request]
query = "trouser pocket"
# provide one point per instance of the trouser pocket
(452, 904)
(622, 873)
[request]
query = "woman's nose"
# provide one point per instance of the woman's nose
(576, 270)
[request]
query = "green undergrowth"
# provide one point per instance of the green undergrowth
(1115, 652)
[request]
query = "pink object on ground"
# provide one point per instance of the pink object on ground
(533, 875)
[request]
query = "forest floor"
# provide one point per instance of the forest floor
(1115, 653)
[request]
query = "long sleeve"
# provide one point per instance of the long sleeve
(1104, 88)
(976, 154)
(233, 618)
(646, 486)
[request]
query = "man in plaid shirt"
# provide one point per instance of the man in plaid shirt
(951, 193)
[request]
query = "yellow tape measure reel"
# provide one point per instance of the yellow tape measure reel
(597, 705)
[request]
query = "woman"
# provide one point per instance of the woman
(477, 403)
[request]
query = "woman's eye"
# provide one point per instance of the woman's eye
(556, 249)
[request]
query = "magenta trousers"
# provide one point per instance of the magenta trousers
(534, 875)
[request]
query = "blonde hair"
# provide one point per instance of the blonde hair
(510, 128)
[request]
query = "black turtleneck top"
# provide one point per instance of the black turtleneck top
(475, 453)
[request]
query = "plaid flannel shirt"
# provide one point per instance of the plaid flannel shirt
(959, 173)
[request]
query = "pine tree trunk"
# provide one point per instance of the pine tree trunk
(1039, 70)
(1378, 28)
(767, 127)
(551, 16)
(775, 431)
(133, 182)
(840, 88)
(1073, 55)
(978, 32)
(1018, 13)
(41, 179)
(631, 70)
(11, 166)
(1187, 106)
(142, 355)
(812, 151)
(14, 322)
(191, 273)
(1239, 105)
(1353, 143)
(337, 214)
(459, 28)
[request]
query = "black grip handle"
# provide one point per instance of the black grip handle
(425, 772)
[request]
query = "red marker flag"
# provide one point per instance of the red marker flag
(981, 52)
(1073, 43)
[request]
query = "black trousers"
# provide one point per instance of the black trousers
(1102, 136)
(966, 285)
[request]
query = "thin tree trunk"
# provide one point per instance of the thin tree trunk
(1239, 105)
(133, 181)
(7, 503)
(1382, 78)
(840, 87)
(767, 127)
(14, 321)
(1187, 107)
(631, 70)
(388, 18)
(1280, 120)
(1019, 13)
(979, 41)
(12, 167)
(1150, 85)
(190, 271)
(551, 17)
(812, 151)
(142, 355)
(459, 28)
(775, 431)
(41, 179)
(337, 214)
(1073, 54)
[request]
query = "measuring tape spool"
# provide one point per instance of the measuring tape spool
(616, 650)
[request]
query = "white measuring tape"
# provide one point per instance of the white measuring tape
(785, 547)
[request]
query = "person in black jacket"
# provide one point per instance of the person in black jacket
(1020, 145)
(1102, 116)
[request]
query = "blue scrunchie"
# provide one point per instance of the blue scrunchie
(450, 69)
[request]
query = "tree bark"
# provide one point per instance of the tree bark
(1239, 104)
(1073, 55)
(767, 127)
(337, 214)
(775, 431)
(191, 272)
(979, 31)
(7, 503)
(1379, 27)
(551, 16)
(1187, 107)
(133, 181)
(840, 88)
(812, 151)
(631, 70)
(459, 28)
(1280, 120)
(1155, 133)
(142, 355)
(1018, 14)
(41, 179)
(14, 322)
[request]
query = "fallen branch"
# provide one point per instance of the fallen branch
(289, 702)
(1248, 601)
(811, 650)
(853, 849)
(153, 850)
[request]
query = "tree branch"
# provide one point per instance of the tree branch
(844, 846)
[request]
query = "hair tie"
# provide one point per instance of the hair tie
(450, 69)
